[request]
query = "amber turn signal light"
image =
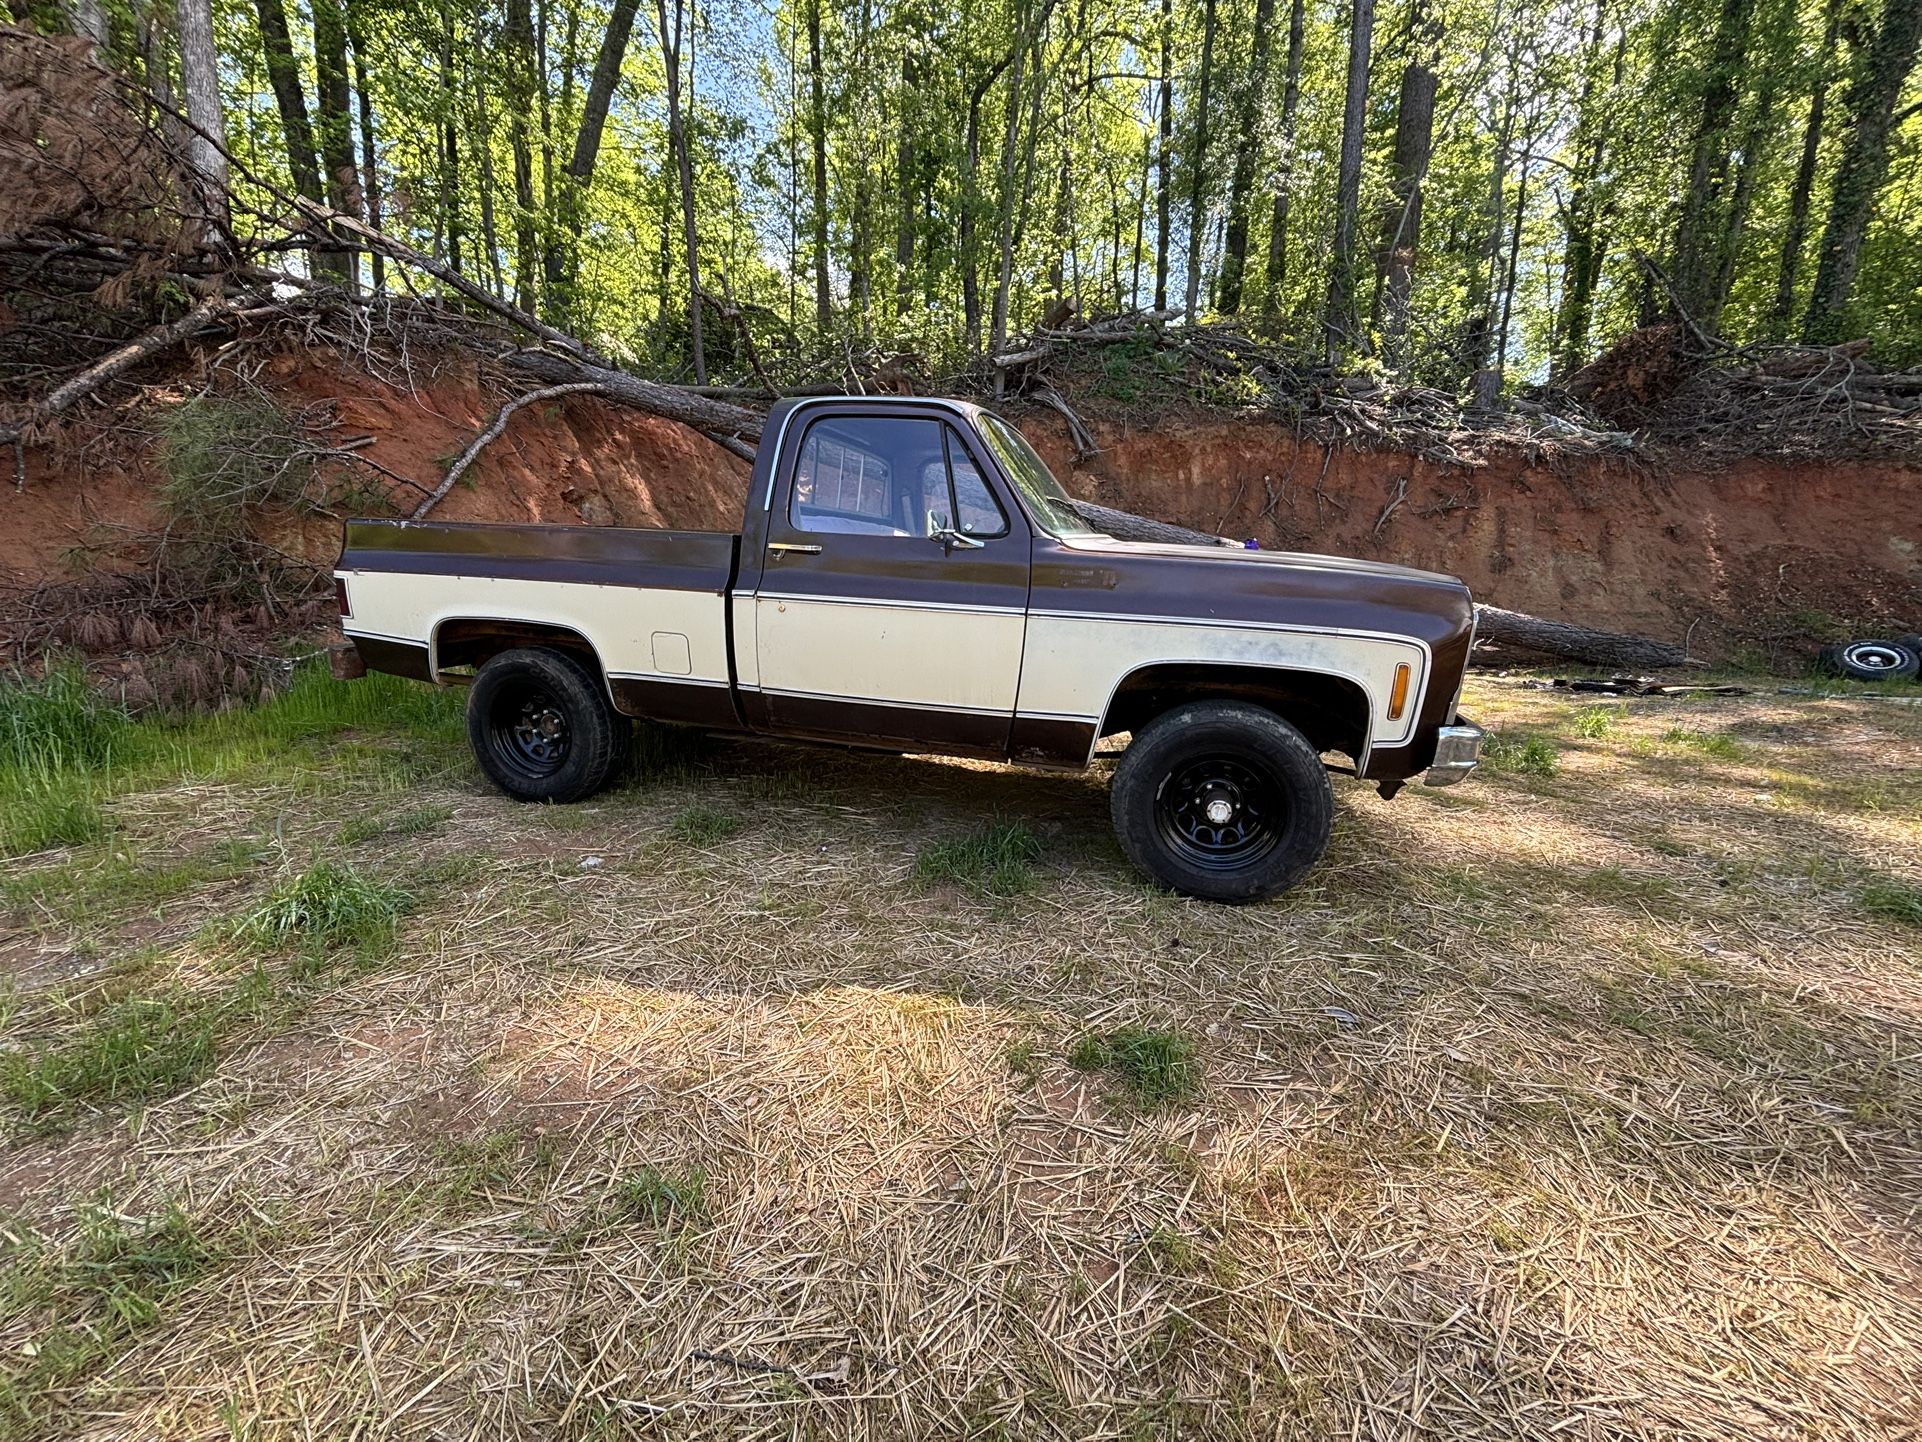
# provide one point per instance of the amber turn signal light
(1397, 694)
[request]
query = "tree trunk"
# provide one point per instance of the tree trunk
(1869, 103)
(1234, 255)
(684, 162)
(1401, 216)
(905, 167)
(564, 257)
(1587, 247)
(90, 21)
(1696, 254)
(369, 160)
(1795, 234)
(1576, 643)
(200, 78)
(1198, 187)
(1339, 320)
(449, 198)
(336, 101)
(1164, 156)
(283, 73)
(817, 130)
(520, 107)
(1005, 198)
(484, 147)
(1278, 209)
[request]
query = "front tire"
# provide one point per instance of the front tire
(1222, 800)
(542, 727)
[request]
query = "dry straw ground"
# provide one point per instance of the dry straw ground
(1580, 1101)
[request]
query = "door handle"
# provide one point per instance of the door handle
(783, 548)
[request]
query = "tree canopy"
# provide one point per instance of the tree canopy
(1474, 193)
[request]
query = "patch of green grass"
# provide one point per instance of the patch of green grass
(1892, 900)
(1718, 744)
(704, 825)
(135, 1048)
(328, 905)
(53, 809)
(58, 721)
(1024, 1061)
(1520, 754)
(116, 881)
(993, 861)
(1595, 722)
(661, 754)
(660, 1197)
(116, 1282)
(1158, 1067)
(405, 823)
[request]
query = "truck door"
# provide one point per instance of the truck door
(893, 595)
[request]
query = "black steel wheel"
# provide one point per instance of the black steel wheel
(1221, 812)
(542, 727)
(1222, 800)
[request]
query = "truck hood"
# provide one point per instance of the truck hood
(1303, 560)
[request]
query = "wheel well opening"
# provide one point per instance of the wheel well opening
(469, 644)
(1330, 711)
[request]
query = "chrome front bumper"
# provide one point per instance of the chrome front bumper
(1458, 750)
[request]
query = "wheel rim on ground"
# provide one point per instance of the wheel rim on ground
(1874, 656)
(527, 731)
(1221, 813)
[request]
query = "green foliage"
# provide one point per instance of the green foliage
(661, 1197)
(137, 1048)
(1158, 1067)
(57, 736)
(226, 456)
(1596, 722)
(57, 721)
(1526, 754)
(704, 825)
(1718, 744)
(115, 1282)
(1893, 900)
(328, 905)
(1560, 131)
(411, 822)
(993, 861)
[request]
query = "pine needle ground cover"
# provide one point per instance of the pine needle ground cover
(343, 1095)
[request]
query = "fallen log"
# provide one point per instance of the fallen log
(1576, 643)
(714, 418)
(481, 441)
(1126, 526)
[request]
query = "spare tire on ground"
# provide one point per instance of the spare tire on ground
(1871, 660)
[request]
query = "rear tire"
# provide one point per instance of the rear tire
(542, 727)
(1222, 800)
(1870, 661)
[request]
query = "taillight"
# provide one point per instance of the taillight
(340, 596)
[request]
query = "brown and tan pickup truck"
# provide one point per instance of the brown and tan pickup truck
(910, 578)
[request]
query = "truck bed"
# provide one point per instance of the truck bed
(421, 598)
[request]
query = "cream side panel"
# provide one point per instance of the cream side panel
(965, 660)
(619, 621)
(1072, 666)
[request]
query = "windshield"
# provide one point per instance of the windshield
(1046, 501)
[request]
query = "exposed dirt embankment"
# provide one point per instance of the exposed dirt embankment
(1719, 557)
(573, 462)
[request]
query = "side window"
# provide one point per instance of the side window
(980, 513)
(866, 476)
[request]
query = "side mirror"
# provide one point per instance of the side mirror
(942, 530)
